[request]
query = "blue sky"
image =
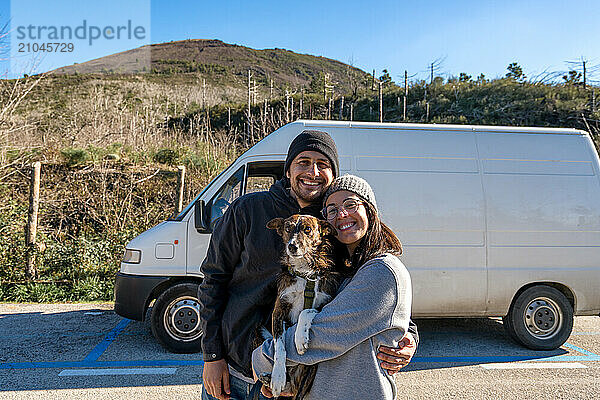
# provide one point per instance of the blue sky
(472, 36)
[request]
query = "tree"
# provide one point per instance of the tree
(515, 72)
(573, 78)
(464, 77)
(317, 83)
(438, 81)
(435, 67)
(12, 94)
(385, 78)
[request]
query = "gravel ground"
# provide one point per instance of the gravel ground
(39, 341)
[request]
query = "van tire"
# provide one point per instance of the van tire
(540, 318)
(175, 319)
(509, 329)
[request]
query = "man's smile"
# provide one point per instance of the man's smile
(310, 182)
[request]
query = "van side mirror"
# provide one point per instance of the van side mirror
(201, 217)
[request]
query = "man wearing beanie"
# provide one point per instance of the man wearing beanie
(239, 287)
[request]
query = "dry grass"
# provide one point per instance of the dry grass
(99, 113)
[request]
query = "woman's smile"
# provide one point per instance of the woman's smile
(346, 225)
(351, 225)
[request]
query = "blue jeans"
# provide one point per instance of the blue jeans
(239, 390)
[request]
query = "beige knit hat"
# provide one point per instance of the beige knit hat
(354, 184)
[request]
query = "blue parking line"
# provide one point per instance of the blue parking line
(99, 364)
(108, 339)
(91, 360)
(496, 359)
(183, 363)
(73, 334)
(579, 349)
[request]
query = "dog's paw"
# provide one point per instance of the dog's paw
(278, 375)
(277, 383)
(301, 336)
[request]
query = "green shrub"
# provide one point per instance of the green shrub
(167, 156)
(38, 293)
(93, 289)
(12, 240)
(74, 156)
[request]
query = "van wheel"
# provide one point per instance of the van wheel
(540, 318)
(509, 329)
(175, 319)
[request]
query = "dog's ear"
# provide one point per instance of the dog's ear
(277, 224)
(327, 228)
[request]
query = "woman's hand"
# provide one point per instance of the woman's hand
(393, 359)
(265, 389)
(215, 377)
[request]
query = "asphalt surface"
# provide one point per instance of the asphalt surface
(45, 348)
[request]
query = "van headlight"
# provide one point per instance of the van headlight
(132, 256)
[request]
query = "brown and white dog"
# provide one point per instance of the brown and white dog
(310, 256)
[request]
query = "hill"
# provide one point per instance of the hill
(225, 65)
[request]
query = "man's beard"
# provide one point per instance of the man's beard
(302, 192)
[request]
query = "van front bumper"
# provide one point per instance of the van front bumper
(133, 294)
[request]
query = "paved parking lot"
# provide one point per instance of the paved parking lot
(87, 351)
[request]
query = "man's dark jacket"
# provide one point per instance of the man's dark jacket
(239, 288)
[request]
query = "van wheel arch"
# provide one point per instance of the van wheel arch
(540, 316)
(558, 286)
(160, 289)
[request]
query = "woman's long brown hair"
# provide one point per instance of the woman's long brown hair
(378, 239)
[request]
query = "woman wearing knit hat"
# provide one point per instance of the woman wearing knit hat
(371, 309)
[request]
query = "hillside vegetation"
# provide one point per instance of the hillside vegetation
(110, 142)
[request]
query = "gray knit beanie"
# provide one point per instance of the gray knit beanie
(354, 184)
(313, 141)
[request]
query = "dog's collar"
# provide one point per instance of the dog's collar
(294, 273)
(309, 289)
(309, 293)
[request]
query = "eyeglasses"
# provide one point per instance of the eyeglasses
(349, 205)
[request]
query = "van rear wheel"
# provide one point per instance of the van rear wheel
(540, 318)
(175, 319)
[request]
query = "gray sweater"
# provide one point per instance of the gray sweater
(372, 309)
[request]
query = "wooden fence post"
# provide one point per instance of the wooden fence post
(34, 203)
(373, 81)
(380, 102)
(180, 186)
(249, 127)
(405, 93)
(287, 106)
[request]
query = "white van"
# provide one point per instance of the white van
(494, 221)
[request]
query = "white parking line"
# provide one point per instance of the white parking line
(118, 371)
(533, 365)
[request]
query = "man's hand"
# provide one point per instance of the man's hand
(215, 377)
(394, 359)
